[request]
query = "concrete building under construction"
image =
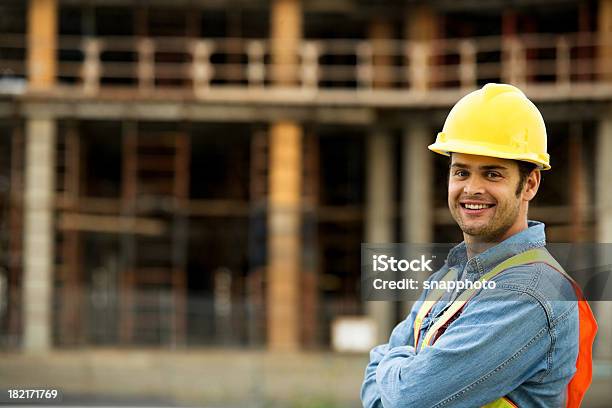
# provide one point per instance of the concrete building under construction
(202, 172)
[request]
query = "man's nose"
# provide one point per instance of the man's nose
(473, 185)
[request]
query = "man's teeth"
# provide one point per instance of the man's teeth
(476, 206)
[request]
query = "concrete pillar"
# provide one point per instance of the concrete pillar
(422, 26)
(42, 43)
(603, 309)
(422, 23)
(514, 68)
(286, 35)
(578, 181)
(509, 23)
(604, 28)
(285, 185)
(38, 234)
(309, 293)
(417, 188)
(381, 35)
(379, 215)
(284, 230)
(585, 24)
(39, 182)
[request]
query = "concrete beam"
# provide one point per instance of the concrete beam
(276, 103)
(38, 234)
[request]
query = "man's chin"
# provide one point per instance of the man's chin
(475, 230)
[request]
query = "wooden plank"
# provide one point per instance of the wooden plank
(90, 205)
(218, 208)
(111, 224)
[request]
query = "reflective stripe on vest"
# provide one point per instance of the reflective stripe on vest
(581, 380)
(501, 403)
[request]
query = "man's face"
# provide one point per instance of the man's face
(482, 195)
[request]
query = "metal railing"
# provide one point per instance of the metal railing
(199, 65)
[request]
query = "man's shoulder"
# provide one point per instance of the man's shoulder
(547, 285)
(539, 277)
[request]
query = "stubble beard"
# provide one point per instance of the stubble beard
(490, 232)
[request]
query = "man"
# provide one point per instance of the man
(517, 344)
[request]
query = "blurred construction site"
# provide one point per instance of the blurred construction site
(185, 184)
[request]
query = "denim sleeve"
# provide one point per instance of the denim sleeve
(370, 396)
(401, 336)
(496, 343)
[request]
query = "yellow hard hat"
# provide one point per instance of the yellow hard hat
(496, 121)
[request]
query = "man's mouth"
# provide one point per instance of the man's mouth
(475, 208)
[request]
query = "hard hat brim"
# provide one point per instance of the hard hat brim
(446, 148)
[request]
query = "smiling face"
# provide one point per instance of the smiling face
(483, 199)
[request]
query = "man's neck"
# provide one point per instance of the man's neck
(477, 244)
(475, 248)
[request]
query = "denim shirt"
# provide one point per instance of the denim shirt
(519, 340)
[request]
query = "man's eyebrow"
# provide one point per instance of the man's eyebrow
(485, 167)
(493, 167)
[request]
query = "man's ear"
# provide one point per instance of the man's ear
(532, 184)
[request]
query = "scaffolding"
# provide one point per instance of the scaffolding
(168, 91)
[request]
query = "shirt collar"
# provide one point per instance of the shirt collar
(532, 237)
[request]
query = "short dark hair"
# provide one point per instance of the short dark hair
(525, 169)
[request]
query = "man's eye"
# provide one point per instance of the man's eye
(461, 173)
(493, 174)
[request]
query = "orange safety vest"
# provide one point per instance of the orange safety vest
(581, 381)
